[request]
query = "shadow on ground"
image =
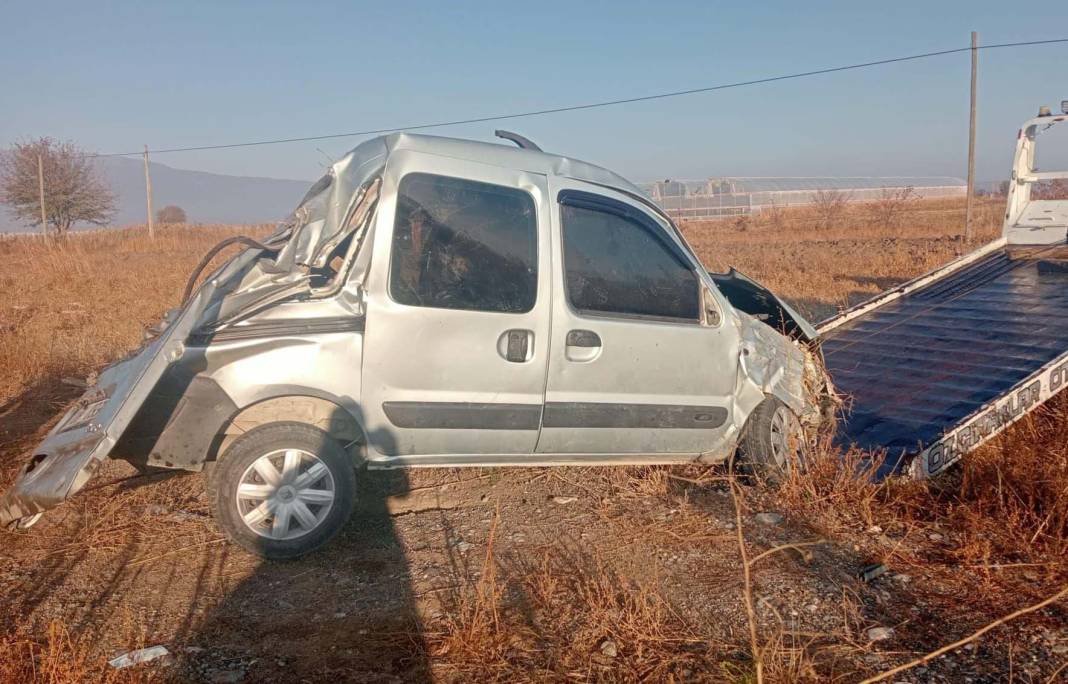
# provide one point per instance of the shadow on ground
(346, 612)
(132, 565)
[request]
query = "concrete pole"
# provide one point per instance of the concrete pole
(148, 197)
(969, 230)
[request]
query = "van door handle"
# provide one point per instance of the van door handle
(583, 338)
(516, 346)
(582, 345)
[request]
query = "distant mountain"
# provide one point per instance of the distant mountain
(206, 197)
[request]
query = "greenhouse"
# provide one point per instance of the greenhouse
(714, 197)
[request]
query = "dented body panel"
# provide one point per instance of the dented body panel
(773, 364)
(311, 326)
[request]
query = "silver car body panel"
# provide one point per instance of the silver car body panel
(631, 383)
(774, 364)
(264, 326)
(439, 371)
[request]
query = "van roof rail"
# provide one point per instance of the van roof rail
(519, 140)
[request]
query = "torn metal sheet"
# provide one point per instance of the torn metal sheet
(746, 294)
(73, 450)
(250, 281)
(322, 218)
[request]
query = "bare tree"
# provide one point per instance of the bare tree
(74, 189)
(886, 210)
(830, 205)
(171, 214)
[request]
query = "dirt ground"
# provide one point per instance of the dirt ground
(570, 574)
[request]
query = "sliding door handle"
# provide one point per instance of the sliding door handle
(582, 345)
(516, 346)
(583, 338)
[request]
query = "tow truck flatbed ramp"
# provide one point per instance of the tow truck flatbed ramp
(932, 369)
(942, 363)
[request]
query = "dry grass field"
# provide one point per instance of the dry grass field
(651, 574)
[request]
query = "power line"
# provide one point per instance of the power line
(590, 105)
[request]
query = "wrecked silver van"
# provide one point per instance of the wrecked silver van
(440, 302)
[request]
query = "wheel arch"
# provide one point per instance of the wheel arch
(185, 427)
(295, 404)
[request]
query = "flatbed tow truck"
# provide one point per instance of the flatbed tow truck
(939, 365)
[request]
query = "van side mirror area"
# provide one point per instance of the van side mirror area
(710, 308)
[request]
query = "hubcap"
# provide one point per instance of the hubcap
(285, 494)
(787, 438)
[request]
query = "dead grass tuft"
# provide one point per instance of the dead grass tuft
(1004, 503)
(1019, 481)
(60, 658)
(566, 615)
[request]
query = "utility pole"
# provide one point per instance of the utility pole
(969, 231)
(148, 196)
(40, 193)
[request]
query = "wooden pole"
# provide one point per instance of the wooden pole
(40, 193)
(969, 231)
(148, 197)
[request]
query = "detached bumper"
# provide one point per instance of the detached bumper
(54, 474)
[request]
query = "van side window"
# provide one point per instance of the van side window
(614, 263)
(461, 244)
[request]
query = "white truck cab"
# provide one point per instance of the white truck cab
(1029, 219)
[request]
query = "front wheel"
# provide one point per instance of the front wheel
(772, 443)
(282, 490)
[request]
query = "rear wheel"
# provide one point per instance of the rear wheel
(282, 490)
(772, 444)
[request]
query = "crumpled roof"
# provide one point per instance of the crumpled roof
(321, 214)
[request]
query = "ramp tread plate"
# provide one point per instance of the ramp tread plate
(915, 366)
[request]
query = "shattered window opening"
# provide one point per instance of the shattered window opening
(324, 275)
(461, 244)
(615, 265)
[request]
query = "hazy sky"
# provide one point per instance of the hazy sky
(115, 76)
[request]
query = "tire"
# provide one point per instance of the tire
(282, 490)
(772, 443)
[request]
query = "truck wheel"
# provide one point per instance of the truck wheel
(282, 490)
(772, 443)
